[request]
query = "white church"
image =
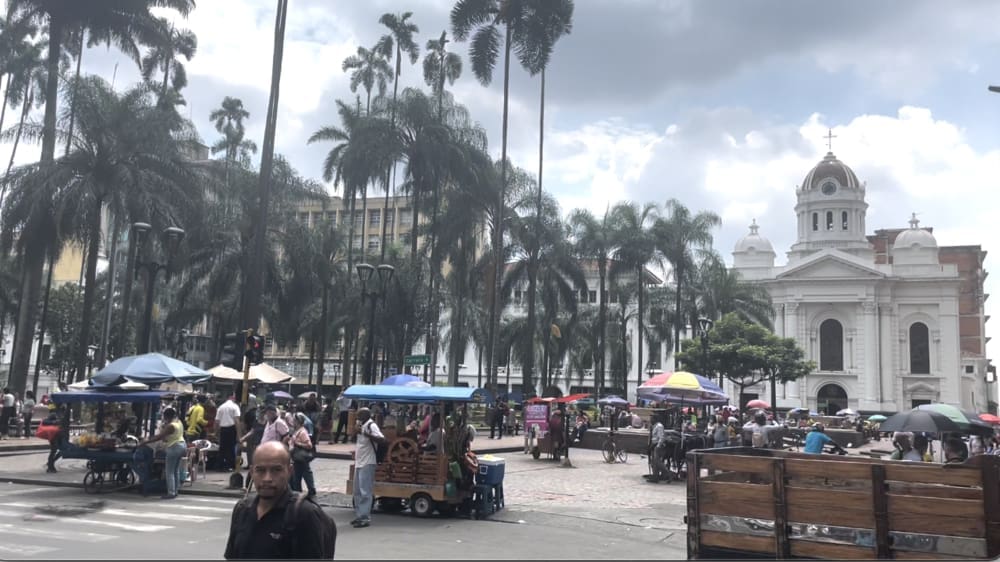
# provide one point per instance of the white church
(891, 320)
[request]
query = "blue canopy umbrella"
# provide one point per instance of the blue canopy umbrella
(151, 369)
(402, 380)
(615, 401)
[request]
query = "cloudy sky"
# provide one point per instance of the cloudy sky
(721, 104)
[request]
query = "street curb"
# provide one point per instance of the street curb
(236, 494)
(492, 451)
(25, 447)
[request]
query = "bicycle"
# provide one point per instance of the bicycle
(612, 451)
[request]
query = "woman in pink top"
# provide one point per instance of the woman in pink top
(301, 460)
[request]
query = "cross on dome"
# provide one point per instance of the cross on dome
(914, 221)
(829, 139)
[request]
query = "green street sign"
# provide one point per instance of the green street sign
(411, 360)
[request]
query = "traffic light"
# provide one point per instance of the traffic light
(255, 349)
(232, 351)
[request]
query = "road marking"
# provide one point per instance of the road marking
(164, 515)
(229, 502)
(36, 531)
(138, 527)
(26, 550)
(199, 507)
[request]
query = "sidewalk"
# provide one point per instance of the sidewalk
(17, 444)
(329, 470)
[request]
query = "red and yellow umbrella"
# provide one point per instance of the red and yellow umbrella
(682, 386)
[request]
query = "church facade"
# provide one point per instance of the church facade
(891, 320)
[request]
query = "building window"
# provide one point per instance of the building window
(389, 217)
(373, 242)
(517, 297)
(815, 221)
(404, 239)
(843, 220)
(583, 295)
(593, 296)
(331, 217)
(357, 241)
(359, 219)
(831, 346)
(374, 218)
(405, 217)
(829, 220)
(304, 218)
(920, 351)
(970, 369)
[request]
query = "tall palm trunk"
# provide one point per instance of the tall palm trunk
(639, 367)
(255, 282)
(89, 289)
(602, 324)
(677, 308)
(166, 81)
(392, 112)
(498, 253)
(25, 108)
(364, 224)
(321, 352)
(109, 295)
(123, 339)
(72, 106)
(6, 99)
(42, 322)
(529, 357)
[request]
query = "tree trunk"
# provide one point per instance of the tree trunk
(34, 263)
(638, 379)
(677, 308)
(25, 108)
(255, 281)
(72, 106)
(385, 208)
(89, 289)
(321, 352)
(42, 322)
(166, 78)
(602, 321)
(6, 98)
(312, 356)
(102, 352)
(123, 338)
(498, 253)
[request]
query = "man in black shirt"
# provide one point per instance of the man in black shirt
(260, 527)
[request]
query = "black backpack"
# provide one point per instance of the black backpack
(329, 527)
(381, 448)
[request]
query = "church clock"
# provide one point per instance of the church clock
(829, 188)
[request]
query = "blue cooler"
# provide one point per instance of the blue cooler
(491, 470)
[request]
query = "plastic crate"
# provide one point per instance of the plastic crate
(491, 471)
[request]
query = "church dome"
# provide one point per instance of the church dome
(830, 167)
(914, 237)
(753, 242)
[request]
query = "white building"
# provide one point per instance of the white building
(879, 317)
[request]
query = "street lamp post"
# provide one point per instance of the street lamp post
(705, 324)
(365, 271)
(91, 351)
(171, 241)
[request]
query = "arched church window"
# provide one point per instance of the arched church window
(920, 349)
(843, 220)
(829, 220)
(815, 221)
(831, 346)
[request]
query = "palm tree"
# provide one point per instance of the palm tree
(634, 249)
(16, 39)
(677, 234)
(125, 157)
(595, 241)
(228, 120)
(440, 66)
(720, 291)
(163, 56)
(370, 69)
(522, 22)
(123, 23)
(26, 79)
(398, 40)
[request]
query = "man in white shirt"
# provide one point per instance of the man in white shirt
(276, 428)
(7, 414)
(343, 406)
(369, 436)
(227, 416)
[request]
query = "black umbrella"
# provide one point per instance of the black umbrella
(926, 421)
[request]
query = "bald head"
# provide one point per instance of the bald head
(272, 467)
(364, 414)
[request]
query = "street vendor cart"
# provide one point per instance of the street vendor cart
(764, 503)
(423, 481)
(538, 436)
(111, 459)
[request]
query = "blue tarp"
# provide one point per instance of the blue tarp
(107, 396)
(387, 393)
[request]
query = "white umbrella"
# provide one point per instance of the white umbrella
(263, 373)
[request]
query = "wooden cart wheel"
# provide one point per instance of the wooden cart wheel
(421, 505)
(403, 450)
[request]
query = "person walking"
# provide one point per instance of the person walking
(276, 428)
(302, 456)
(365, 460)
(196, 421)
(227, 417)
(276, 522)
(27, 412)
(343, 409)
(7, 414)
(311, 409)
(172, 435)
(55, 428)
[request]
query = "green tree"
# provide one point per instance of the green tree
(369, 68)
(440, 66)
(163, 54)
(634, 250)
(721, 290)
(595, 243)
(677, 235)
(228, 120)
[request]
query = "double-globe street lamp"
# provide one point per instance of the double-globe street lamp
(705, 324)
(365, 271)
(171, 241)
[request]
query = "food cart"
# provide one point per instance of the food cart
(537, 412)
(110, 458)
(764, 503)
(422, 481)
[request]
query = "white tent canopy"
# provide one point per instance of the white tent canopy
(127, 385)
(262, 373)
